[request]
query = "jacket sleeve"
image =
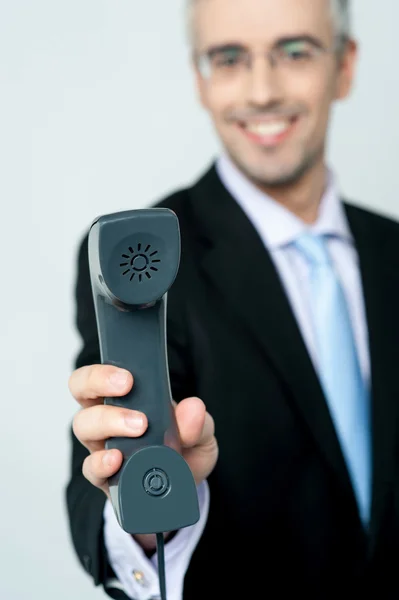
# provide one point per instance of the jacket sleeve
(85, 503)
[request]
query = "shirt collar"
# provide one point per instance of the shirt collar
(276, 224)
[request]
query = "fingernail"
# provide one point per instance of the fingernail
(119, 379)
(135, 422)
(108, 459)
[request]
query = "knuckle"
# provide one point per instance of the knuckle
(71, 382)
(88, 422)
(211, 422)
(92, 380)
(103, 419)
(97, 383)
(87, 468)
(76, 423)
(93, 469)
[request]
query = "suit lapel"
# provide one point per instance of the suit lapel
(380, 278)
(237, 264)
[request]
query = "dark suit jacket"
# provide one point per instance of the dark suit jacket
(282, 515)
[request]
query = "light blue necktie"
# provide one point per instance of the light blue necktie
(339, 369)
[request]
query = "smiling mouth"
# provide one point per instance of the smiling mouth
(269, 132)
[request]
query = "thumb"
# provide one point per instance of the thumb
(191, 417)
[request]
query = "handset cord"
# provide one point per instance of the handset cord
(161, 564)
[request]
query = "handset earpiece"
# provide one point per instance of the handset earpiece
(134, 258)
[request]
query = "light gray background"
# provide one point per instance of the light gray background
(97, 114)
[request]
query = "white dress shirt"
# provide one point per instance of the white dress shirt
(137, 574)
(278, 228)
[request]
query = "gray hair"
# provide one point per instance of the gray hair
(340, 12)
(342, 18)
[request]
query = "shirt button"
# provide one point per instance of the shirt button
(139, 577)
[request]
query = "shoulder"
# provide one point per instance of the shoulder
(183, 199)
(372, 222)
(176, 201)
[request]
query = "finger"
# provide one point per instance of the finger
(196, 426)
(100, 422)
(89, 384)
(99, 466)
(208, 431)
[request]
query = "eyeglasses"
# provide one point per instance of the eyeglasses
(293, 55)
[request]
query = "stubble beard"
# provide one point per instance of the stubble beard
(286, 178)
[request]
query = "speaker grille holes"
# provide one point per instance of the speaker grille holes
(139, 263)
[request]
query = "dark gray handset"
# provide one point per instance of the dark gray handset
(134, 258)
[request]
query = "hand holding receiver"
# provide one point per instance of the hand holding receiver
(134, 258)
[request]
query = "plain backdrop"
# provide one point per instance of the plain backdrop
(98, 113)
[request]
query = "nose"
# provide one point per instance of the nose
(264, 86)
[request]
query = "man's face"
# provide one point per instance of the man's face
(271, 115)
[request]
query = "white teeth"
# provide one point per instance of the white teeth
(265, 129)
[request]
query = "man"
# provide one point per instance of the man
(283, 330)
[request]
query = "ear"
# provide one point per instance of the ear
(346, 70)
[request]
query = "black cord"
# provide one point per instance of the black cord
(161, 564)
